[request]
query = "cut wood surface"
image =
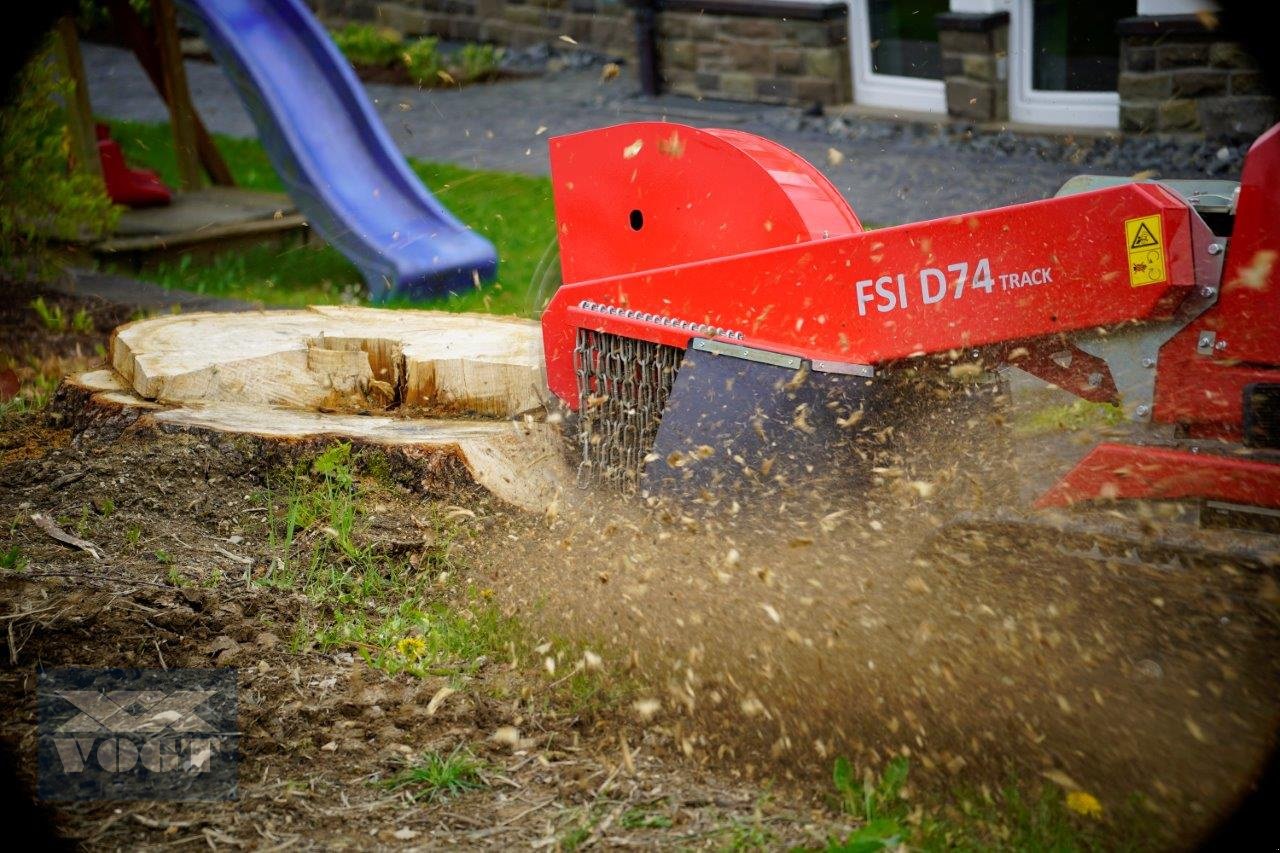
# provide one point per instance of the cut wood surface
(518, 461)
(337, 359)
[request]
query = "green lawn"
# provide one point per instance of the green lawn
(514, 211)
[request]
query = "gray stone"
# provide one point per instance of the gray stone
(738, 85)
(1229, 54)
(787, 60)
(1138, 87)
(707, 82)
(680, 54)
(465, 29)
(1139, 116)
(675, 26)
(1248, 83)
(526, 15)
(1137, 57)
(823, 63)
(704, 27)
(775, 90)
(979, 66)
(1179, 114)
(579, 27)
(810, 34)
(955, 41)
(753, 28)
(970, 99)
(412, 22)
(1181, 54)
(1198, 82)
(611, 33)
(746, 56)
(818, 90)
(1237, 118)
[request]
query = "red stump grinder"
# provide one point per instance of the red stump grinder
(727, 329)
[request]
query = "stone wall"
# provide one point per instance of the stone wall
(975, 50)
(794, 53)
(604, 25)
(1178, 76)
(743, 50)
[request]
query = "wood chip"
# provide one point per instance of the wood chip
(438, 699)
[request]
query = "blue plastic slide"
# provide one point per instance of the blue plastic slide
(335, 157)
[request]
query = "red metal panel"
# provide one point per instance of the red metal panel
(1046, 267)
(1126, 472)
(1206, 392)
(699, 194)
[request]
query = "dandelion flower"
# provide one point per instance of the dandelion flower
(412, 647)
(1084, 803)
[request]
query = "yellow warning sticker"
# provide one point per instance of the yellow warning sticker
(1145, 241)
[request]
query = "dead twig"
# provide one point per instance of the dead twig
(242, 560)
(25, 613)
(53, 531)
(156, 823)
(81, 576)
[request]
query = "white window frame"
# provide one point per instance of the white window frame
(914, 94)
(1029, 105)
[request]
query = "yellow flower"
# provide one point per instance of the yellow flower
(1084, 804)
(412, 647)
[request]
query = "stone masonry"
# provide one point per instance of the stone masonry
(603, 25)
(792, 53)
(1179, 76)
(745, 50)
(975, 50)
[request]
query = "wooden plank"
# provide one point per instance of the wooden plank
(84, 140)
(178, 97)
(202, 238)
(141, 42)
(204, 208)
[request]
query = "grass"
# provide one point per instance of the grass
(1068, 417)
(513, 211)
(641, 819)
(439, 777)
(12, 559)
(413, 617)
(389, 611)
(1013, 819)
(37, 382)
(369, 45)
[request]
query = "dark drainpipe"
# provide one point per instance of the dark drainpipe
(647, 46)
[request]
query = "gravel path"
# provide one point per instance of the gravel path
(497, 126)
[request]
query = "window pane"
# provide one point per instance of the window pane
(904, 39)
(1074, 45)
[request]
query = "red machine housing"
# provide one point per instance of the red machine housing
(669, 233)
(1205, 391)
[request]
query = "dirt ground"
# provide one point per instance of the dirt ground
(741, 654)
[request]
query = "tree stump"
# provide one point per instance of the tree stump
(459, 393)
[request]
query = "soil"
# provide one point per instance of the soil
(759, 645)
(318, 729)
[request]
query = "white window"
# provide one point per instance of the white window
(895, 56)
(1063, 62)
